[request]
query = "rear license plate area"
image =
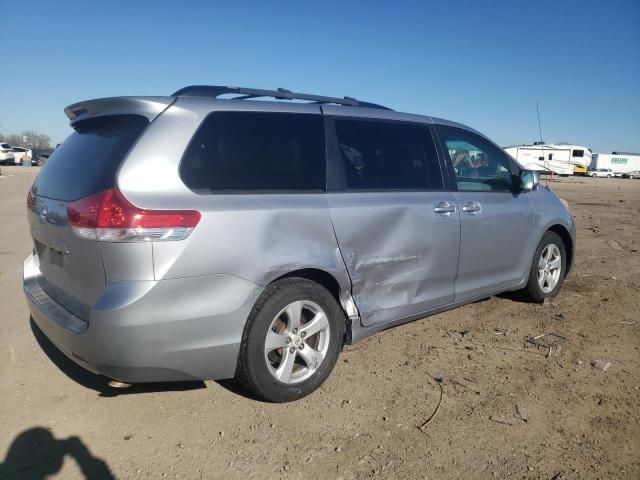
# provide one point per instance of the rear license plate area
(55, 257)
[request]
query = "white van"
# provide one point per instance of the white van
(619, 162)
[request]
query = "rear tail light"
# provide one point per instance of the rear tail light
(30, 200)
(109, 217)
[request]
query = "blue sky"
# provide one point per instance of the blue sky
(483, 63)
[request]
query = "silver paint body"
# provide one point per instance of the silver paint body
(175, 310)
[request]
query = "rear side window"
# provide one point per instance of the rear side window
(87, 161)
(380, 155)
(256, 151)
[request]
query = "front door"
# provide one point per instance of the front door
(397, 228)
(496, 221)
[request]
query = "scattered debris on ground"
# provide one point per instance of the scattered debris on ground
(521, 412)
(552, 342)
(498, 419)
(439, 382)
(601, 365)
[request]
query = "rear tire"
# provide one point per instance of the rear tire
(291, 341)
(548, 269)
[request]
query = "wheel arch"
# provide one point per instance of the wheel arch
(564, 234)
(329, 282)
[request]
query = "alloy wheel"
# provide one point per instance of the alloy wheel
(549, 267)
(297, 342)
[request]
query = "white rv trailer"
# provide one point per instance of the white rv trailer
(618, 162)
(560, 158)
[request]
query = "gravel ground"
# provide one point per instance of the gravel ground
(575, 421)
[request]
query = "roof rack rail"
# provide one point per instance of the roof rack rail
(279, 94)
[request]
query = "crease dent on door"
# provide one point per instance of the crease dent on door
(397, 278)
(346, 297)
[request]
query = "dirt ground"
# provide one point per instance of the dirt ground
(581, 422)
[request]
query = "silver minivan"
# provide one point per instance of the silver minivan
(213, 234)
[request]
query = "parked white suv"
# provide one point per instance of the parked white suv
(6, 154)
(601, 172)
(22, 154)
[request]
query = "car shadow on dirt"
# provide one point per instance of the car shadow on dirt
(234, 386)
(515, 296)
(36, 454)
(100, 383)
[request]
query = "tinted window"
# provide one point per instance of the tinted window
(478, 164)
(256, 151)
(578, 153)
(18, 149)
(87, 161)
(387, 156)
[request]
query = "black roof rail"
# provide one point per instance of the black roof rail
(279, 94)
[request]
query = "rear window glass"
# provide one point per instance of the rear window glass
(380, 155)
(87, 161)
(256, 151)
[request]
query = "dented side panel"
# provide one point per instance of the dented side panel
(402, 257)
(255, 237)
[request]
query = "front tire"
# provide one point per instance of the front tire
(548, 269)
(291, 341)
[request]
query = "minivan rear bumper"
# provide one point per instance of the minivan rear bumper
(149, 331)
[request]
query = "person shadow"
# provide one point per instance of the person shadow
(36, 453)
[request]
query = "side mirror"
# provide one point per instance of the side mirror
(529, 180)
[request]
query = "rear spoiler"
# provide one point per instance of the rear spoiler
(149, 107)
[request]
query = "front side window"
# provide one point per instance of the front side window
(256, 151)
(378, 155)
(478, 165)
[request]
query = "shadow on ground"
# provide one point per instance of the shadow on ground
(234, 386)
(515, 296)
(100, 383)
(36, 453)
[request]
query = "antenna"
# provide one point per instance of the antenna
(539, 127)
(544, 156)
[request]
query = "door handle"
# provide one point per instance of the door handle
(444, 208)
(472, 208)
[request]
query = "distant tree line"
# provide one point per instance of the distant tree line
(33, 139)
